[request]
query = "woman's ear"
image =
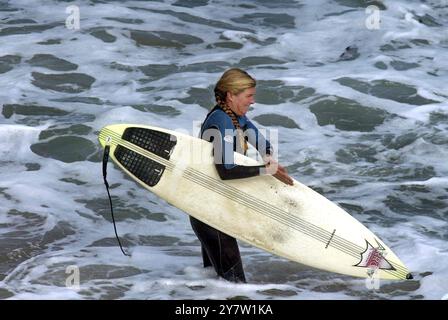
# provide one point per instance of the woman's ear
(229, 97)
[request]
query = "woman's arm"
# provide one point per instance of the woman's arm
(224, 155)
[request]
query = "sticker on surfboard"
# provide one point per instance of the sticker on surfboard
(374, 258)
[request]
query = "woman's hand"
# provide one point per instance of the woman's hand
(279, 172)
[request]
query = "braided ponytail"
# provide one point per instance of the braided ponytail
(234, 81)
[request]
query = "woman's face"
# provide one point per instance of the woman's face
(240, 103)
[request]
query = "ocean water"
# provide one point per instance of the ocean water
(358, 95)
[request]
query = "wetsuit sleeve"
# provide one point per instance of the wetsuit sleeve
(223, 144)
(256, 138)
(237, 171)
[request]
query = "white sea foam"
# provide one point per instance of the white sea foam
(165, 263)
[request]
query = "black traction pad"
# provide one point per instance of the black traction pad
(146, 170)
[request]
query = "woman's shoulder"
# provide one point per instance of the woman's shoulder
(218, 117)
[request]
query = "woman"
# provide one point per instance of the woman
(227, 126)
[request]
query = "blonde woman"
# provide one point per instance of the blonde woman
(227, 126)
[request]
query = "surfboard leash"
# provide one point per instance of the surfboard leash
(105, 160)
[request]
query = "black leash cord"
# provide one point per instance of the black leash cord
(105, 159)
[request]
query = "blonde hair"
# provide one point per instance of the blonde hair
(234, 81)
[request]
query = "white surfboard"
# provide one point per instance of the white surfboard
(293, 222)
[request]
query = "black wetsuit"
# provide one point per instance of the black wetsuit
(219, 249)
